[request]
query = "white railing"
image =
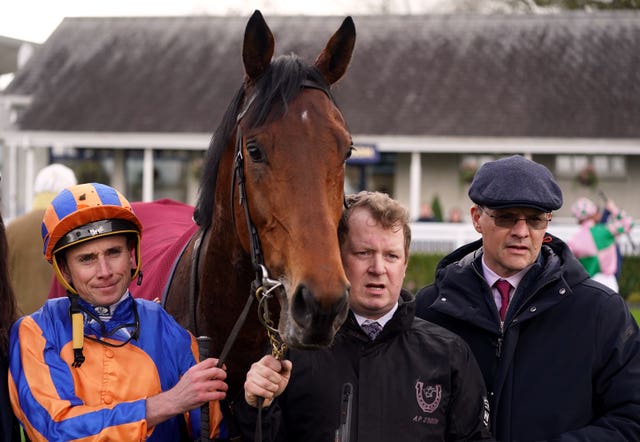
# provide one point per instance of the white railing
(446, 237)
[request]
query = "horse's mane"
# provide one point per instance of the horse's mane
(280, 84)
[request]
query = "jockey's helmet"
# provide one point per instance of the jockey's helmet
(84, 212)
(584, 209)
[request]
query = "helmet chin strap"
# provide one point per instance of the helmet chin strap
(139, 273)
(61, 279)
(77, 318)
(77, 329)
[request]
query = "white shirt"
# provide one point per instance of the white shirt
(381, 320)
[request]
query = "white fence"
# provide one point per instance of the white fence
(446, 237)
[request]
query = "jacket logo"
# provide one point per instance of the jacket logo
(428, 396)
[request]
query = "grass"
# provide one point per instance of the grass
(633, 300)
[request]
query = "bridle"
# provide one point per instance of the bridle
(263, 286)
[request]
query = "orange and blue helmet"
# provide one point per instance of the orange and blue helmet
(84, 212)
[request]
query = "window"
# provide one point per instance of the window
(605, 166)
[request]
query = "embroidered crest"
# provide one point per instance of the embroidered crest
(428, 396)
(485, 417)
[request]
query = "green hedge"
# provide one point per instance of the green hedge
(630, 277)
(421, 271)
(422, 267)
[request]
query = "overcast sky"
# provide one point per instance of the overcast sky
(35, 20)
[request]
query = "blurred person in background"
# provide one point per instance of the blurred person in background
(455, 215)
(594, 244)
(426, 214)
(31, 275)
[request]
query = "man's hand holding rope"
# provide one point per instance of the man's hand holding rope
(266, 379)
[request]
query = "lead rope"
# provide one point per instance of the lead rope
(205, 429)
(263, 293)
(277, 346)
(204, 343)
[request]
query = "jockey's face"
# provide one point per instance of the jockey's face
(100, 269)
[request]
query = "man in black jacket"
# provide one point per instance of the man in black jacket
(414, 381)
(560, 353)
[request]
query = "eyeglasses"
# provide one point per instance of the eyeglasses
(507, 221)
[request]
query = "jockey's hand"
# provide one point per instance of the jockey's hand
(204, 382)
(612, 207)
(267, 379)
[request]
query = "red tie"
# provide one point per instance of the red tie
(503, 287)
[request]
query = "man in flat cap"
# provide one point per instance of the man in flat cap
(559, 352)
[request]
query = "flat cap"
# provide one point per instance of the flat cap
(515, 182)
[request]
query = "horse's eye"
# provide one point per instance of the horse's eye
(255, 151)
(349, 152)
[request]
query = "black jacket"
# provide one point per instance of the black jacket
(415, 382)
(566, 367)
(9, 430)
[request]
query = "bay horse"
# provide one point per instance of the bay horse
(270, 200)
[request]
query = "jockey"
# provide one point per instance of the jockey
(99, 363)
(594, 244)
(25, 243)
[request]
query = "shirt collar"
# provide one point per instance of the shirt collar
(381, 320)
(106, 313)
(492, 276)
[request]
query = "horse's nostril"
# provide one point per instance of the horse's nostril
(309, 313)
(304, 306)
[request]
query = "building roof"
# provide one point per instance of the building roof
(573, 74)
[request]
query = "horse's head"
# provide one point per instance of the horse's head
(291, 146)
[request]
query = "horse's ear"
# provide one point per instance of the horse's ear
(336, 55)
(257, 49)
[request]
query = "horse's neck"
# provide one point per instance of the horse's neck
(226, 275)
(226, 267)
(226, 263)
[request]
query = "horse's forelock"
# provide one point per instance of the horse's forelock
(280, 84)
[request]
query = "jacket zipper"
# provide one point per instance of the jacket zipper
(500, 339)
(522, 307)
